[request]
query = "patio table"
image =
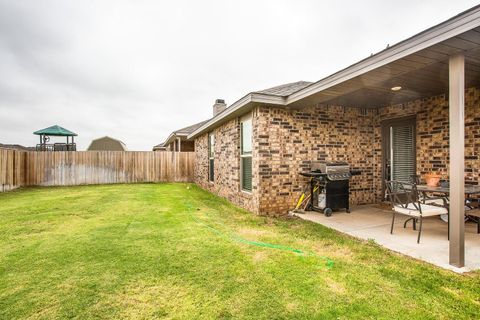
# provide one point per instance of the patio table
(469, 189)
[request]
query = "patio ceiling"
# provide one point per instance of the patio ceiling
(421, 74)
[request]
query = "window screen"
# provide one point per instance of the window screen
(246, 153)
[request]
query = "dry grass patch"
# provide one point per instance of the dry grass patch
(150, 300)
(335, 287)
(254, 233)
(333, 251)
(46, 311)
(260, 256)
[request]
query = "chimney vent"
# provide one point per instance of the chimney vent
(219, 106)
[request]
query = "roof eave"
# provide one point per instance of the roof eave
(236, 107)
(463, 22)
(172, 136)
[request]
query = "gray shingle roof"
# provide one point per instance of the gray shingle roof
(286, 89)
(191, 128)
(183, 131)
(281, 91)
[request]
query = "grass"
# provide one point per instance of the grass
(175, 251)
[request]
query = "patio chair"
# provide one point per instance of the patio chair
(405, 200)
(472, 210)
(428, 199)
(474, 215)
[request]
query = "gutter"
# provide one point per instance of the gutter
(237, 106)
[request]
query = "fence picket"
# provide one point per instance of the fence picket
(64, 168)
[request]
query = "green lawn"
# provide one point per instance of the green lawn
(175, 251)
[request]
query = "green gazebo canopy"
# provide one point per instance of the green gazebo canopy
(55, 131)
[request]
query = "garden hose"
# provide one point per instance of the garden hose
(236, 238)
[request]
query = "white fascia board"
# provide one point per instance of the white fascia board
(168, 139)
(234, 107)
(267, 98)
(172, 136)
(444, 31)
(237, 107)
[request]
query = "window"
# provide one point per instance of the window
(211, 157)
(246, 153)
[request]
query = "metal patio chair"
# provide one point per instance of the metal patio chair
(474, 215)
(472, 211)
(405, 200)
(424, 197)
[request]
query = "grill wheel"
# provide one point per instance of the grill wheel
(327, 212)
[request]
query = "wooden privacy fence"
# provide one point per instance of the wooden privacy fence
(12, 169)
(31, 168)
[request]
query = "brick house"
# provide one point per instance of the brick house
(177, 140)
(423, 93)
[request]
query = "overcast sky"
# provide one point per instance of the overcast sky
(137, 70)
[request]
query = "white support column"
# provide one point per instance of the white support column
(457, 160)
(179, 144)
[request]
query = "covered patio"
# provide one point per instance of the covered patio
(412, 99)
(372, 222)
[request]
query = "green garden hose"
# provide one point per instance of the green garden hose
(236, 238)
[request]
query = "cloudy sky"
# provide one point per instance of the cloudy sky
(136, 70)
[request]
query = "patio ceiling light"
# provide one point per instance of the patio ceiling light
(396, 88)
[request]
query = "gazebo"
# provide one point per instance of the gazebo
(55, 131)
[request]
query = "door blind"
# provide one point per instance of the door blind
(402, 153)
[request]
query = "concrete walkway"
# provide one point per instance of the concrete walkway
(373, 222)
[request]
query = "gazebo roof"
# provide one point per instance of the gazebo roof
(55, 131)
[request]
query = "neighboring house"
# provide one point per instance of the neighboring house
(16, 147)
(106, 144)
(177, 140)
(405, 110)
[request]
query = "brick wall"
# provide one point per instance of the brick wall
(433, 134)
(227, 166)
(289, 140)
(285, 142)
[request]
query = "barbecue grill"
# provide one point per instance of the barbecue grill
(333, 182)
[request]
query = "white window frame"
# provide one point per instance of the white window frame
(242, 155)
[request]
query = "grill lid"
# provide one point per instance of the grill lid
(333, 170)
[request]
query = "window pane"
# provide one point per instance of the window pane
(211, 170)
(247, 173)
(211, 145)
(246, 142)
(211, 156)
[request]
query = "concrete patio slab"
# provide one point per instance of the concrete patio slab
(373, 222)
